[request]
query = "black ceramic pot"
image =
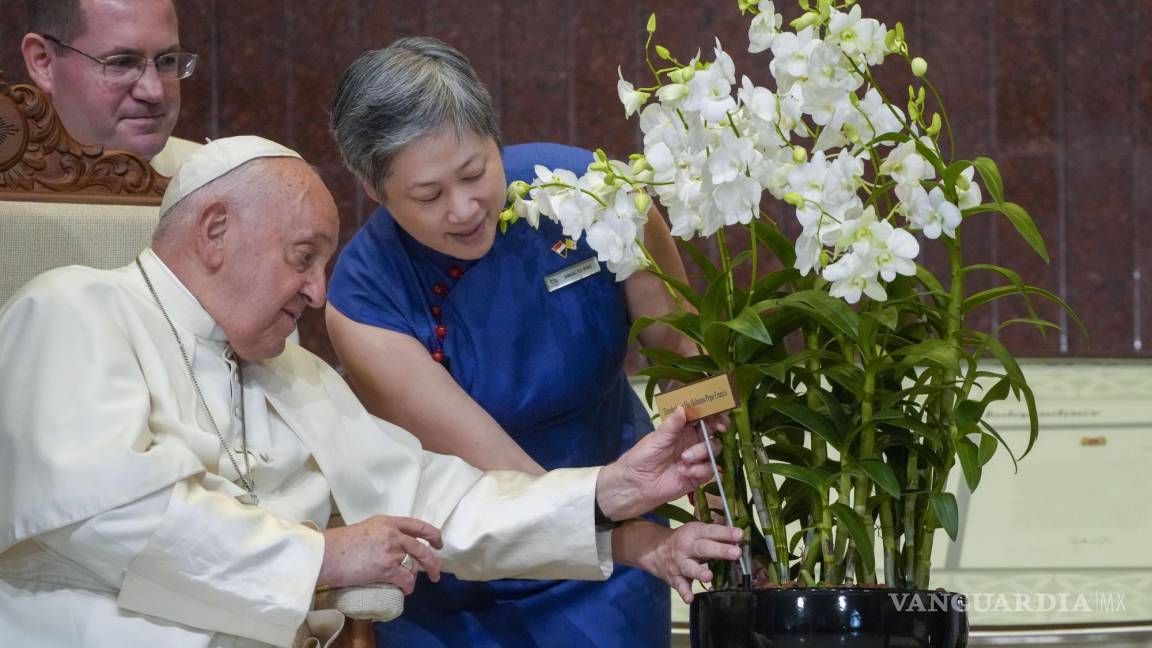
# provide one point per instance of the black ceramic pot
(818, 617)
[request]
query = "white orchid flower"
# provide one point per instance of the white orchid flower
(851, 276)
(898, 253)
(970, 197)
(907, 168)
(631, 98)
(764, 28)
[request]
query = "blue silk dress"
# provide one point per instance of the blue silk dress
(548, 367)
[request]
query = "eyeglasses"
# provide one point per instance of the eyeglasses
(128, 68)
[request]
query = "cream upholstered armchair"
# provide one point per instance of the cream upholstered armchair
(65, 203)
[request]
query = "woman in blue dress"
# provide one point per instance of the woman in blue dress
(503, 348)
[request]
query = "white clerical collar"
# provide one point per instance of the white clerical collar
(181, 304)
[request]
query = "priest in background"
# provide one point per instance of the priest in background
(113, 71)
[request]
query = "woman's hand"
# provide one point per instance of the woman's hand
(676, 556)
(381, 549)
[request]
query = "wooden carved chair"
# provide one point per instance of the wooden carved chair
(64, 203)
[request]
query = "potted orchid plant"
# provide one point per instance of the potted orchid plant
(861, 386)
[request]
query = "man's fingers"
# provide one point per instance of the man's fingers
(683, 588)
(404, 579)
(419, 529)
(422, 556)
(699, 452)
(674, 422)
(721, 533)
(704, 549)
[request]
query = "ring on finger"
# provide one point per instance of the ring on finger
(406, 562)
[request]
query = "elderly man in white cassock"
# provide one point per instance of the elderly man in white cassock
(168, 465)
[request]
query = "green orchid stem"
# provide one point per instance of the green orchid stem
(888, 536)
(726, 264)
(764, 492)
(943, 116)
(910, 517)
(946, 417)
(829, 563)
(843, 540)
(867, 449)
(675, 295)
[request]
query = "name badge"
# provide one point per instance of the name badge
(571, 274)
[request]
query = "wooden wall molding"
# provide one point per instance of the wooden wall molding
(40, 161)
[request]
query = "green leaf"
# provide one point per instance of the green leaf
(668, 373)
(749, 324)
(815, 422)
(922, 451)
(827, 310)
(686, 291)
(939, 353)
(770, 284)
(988, 447)
(881, 474)
(947, 513)
(685, 323)
(836, 412)
(701, 259)
(714, 306)
(1026, 227)
(970, 462)
(953, 172)
(808, 476)
(861, 533)
(771, 236)
(674, 513)
(1020, 386)
(991, 176)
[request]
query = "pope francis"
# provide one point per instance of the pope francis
(169, 465)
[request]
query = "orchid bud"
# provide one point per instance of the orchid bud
(663, 53)
(913, 111)
(795, 199)
(799, 154)
(746, 5)
(672, 93)
(642, 202)
(518, 189)
(807, 20)
(599, 165)
(508, 216)
(934, 127)
(919, 66)
(652, 24)
(963, 183)
(640, 164)
(894, 39)
(682, 75)
(850, 133)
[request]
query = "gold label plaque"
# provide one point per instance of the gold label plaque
(700, 399)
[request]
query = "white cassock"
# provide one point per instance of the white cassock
(119, 519)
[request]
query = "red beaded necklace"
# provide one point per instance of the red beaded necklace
(440, 289)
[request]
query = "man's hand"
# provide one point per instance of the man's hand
(677, 556)
(374, 551)
(664, 465)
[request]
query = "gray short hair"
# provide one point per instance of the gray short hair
(390, 97)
